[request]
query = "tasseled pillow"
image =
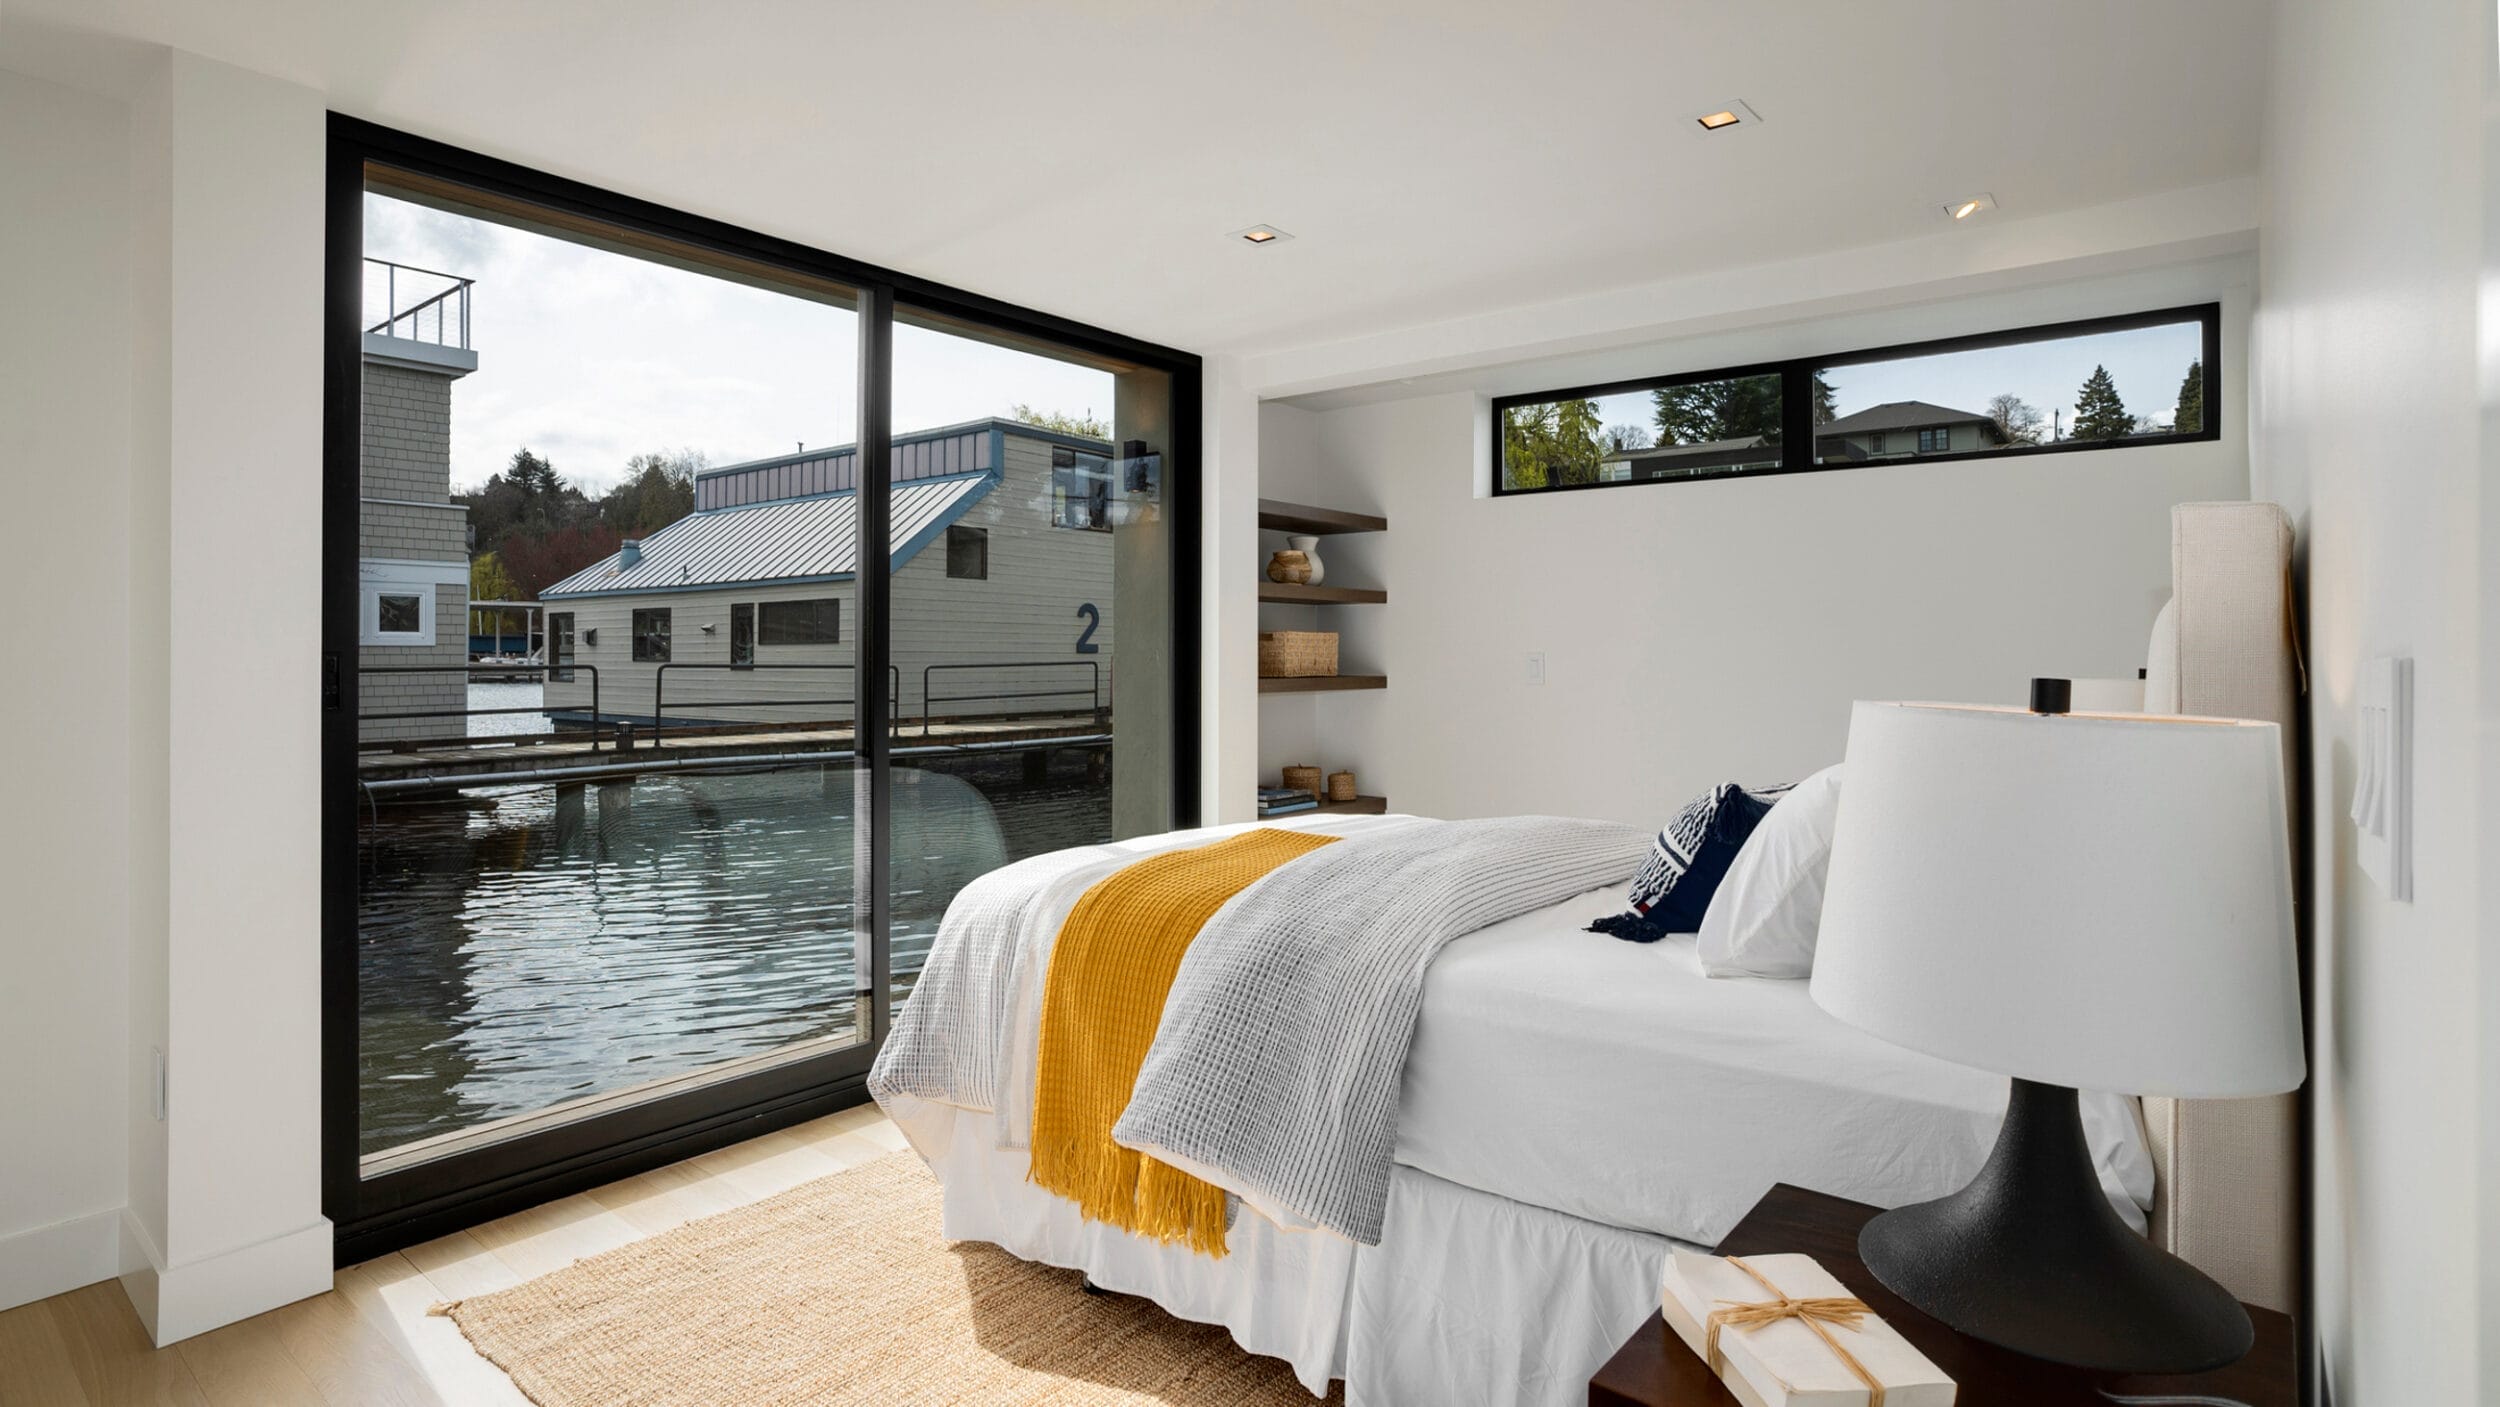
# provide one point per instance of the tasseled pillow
(1686, 863)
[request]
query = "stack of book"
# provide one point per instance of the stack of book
(1282, 801)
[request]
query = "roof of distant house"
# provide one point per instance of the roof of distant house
(1900, 415)
(1697, 447)
(782, 540)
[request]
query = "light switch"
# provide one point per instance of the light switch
(2382, 789)
(1536, 666)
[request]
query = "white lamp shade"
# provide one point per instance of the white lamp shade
(2102, 902)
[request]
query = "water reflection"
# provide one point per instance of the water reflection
(522, 947)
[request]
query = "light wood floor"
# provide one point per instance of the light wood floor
(370, 1340)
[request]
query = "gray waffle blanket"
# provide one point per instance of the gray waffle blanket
(1276, 1068)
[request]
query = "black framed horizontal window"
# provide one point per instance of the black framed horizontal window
(817, 621)
(2097, 384)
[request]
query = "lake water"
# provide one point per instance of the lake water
(518, 950)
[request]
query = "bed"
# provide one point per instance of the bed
(1570, 1107)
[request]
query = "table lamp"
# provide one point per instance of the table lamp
(2076, 901)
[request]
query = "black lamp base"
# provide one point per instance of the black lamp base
(2031, 1256)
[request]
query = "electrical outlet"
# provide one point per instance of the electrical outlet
(1536, 666)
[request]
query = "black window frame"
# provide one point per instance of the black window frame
(371, 1216)
(958, 534)
(561, 646)
(643, 617)
(831, 607)
(1799, 433)
(1090, 509)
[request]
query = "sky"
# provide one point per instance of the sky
(2147, 364)
(589, 358)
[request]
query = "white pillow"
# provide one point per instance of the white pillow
(1762, 920)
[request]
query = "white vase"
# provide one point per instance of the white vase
(1309, 547)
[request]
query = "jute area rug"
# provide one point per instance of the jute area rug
(840, 1292)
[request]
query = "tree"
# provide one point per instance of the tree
(2099, 414)
(1824, 414)
(488, 580)
(1082, 426)
(536, 563)
(2190, 417)
(1628, 437)
(1701, 411)
(1551, 444)
(657, 490)
(2017, 420)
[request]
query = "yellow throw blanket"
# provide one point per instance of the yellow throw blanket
(1101, 1001)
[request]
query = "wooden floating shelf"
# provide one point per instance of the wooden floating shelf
(1319, 683)
(1286, 593)
(1276, 515)
(1359, 806)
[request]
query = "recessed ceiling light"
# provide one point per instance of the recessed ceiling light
(1262, 234)
(1727, 117)
(1969, 206)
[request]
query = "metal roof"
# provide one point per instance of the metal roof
(804, 539)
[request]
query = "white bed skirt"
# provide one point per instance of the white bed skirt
(1468, 1298)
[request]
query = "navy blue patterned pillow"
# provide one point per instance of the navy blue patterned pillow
(1686, 863)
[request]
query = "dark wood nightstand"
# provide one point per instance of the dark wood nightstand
(1655, 1369)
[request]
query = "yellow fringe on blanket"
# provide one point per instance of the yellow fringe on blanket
(1101, 1001)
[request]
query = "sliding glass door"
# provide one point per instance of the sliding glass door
(697, 627)
(1031, 625)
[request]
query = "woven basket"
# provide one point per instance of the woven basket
(1303, 779)
(1341, 786)
(1297, 654)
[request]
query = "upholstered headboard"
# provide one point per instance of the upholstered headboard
(2227, 646)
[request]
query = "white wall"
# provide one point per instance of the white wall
(1703, 632)
(65, 462)
(2366, 325)
(162, 354)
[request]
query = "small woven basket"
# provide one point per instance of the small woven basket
(1341, 786)
(1297, 654)
(1303, 779)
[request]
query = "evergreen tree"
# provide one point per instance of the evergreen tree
(2099, 414)
(1702, 411)
(2190, 418)
(1551, 444)
(1823, 412)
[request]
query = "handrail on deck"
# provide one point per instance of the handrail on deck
(567, 670)
(659, 691)
(448, 306)
(930, 699)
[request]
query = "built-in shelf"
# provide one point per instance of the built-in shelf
(1276, 515)
(1359, 806)
(1287, 593)
(1320, 683)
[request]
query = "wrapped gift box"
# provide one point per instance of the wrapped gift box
(1784, 1363)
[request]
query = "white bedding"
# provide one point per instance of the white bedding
(1612, 1081)
(1570, 1100)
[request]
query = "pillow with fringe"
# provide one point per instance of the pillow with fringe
(1686, 863)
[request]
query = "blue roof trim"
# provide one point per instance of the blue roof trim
(941, 522)
(989, 479)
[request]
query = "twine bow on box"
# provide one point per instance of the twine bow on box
(1813, 1313)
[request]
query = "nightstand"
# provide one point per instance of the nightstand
(1655, 1369)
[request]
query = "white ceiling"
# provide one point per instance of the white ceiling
(1432, 158)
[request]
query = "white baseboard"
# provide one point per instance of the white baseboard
(49, 1260)
(180, 1301)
